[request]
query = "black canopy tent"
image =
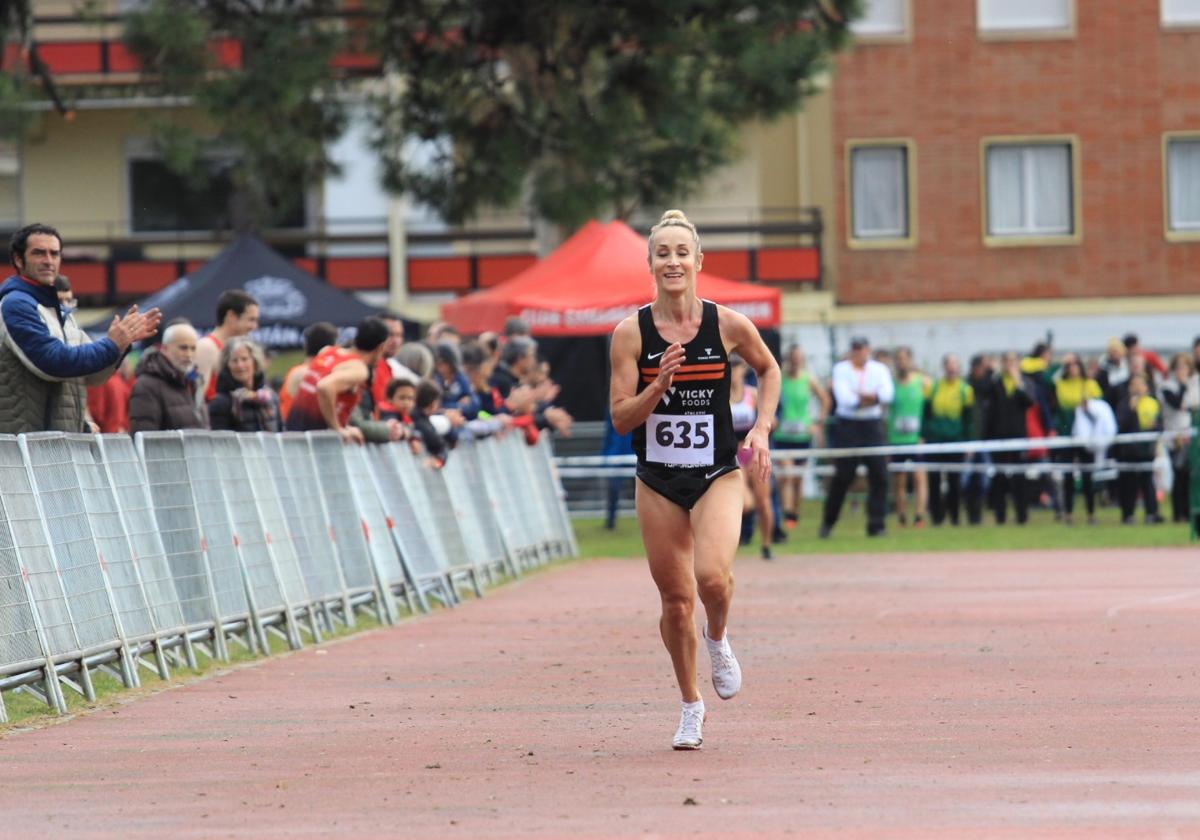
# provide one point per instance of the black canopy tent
(289, 298)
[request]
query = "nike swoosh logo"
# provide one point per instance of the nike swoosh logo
(654, 356)
(712, 474)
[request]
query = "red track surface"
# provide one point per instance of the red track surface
(1016, 695)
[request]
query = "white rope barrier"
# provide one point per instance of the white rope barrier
(969, 447)
(796, 463)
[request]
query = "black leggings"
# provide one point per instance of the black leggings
(1180, 491)
(1005, 484)
(1076, 455)
(855, 433)
(1132, 483)
(939, 507)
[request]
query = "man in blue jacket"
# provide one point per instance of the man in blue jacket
(46, 360)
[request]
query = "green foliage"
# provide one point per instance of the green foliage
(587, 107)
(275, 116)
(11, 95)
(14, 26)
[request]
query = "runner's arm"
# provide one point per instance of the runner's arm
(745, 340)
(822, 395)
(630, 409)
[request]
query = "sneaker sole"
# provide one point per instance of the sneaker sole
(726, 696)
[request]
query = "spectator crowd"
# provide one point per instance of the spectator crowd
(372, 388)
(376, 387)
(879, 397)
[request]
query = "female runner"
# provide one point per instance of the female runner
(670, 387)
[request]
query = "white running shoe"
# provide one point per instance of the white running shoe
(689, 735)
(726, 672)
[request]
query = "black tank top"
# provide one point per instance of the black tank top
(691, 426)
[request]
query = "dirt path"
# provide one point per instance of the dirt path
(1014, 695)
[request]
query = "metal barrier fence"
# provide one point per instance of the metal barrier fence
(587, 477)
(119, 558)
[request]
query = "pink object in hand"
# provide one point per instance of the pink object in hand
(744, 454)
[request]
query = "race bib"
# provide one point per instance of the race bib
(680, 440)
(794, 428)
(908, 425)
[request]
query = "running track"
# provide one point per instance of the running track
(1013, 695)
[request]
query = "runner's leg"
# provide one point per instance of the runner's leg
(715, 525)
(762, 506)
(921, 487)
(789, 494)
(900, 495)
(667, 536)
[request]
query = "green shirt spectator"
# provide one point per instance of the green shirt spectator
(795, 410)
(908, 407)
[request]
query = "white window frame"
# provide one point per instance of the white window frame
(907, 239)
(1190, 232)
(885, 36)
(1019, 239)
(1192, 21)
(1026, 33)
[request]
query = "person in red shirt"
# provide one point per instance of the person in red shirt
(333, 385)
(317, 337)
(237, 314)
(108, 404)
(383, 374)
(1153, 360)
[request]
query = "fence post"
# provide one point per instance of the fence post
(177, 476)
(117, 450)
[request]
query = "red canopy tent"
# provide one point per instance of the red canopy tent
(592, 281)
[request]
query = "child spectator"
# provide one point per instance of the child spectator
(401, 396)
(448, 374)
(425, 406)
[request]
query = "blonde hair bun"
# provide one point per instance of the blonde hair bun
(673, 218)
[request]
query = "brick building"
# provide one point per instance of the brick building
(993, 150)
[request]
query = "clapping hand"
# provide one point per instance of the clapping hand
(134, 326)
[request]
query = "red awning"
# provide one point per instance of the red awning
(591, 282)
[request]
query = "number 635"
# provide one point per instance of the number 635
(679, 434)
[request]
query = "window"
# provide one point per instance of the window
(1030, 191)
(1182, 163)
(882, 19)
(1181, 12)
(163, 201)
(881, 193)
(1026, 17)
